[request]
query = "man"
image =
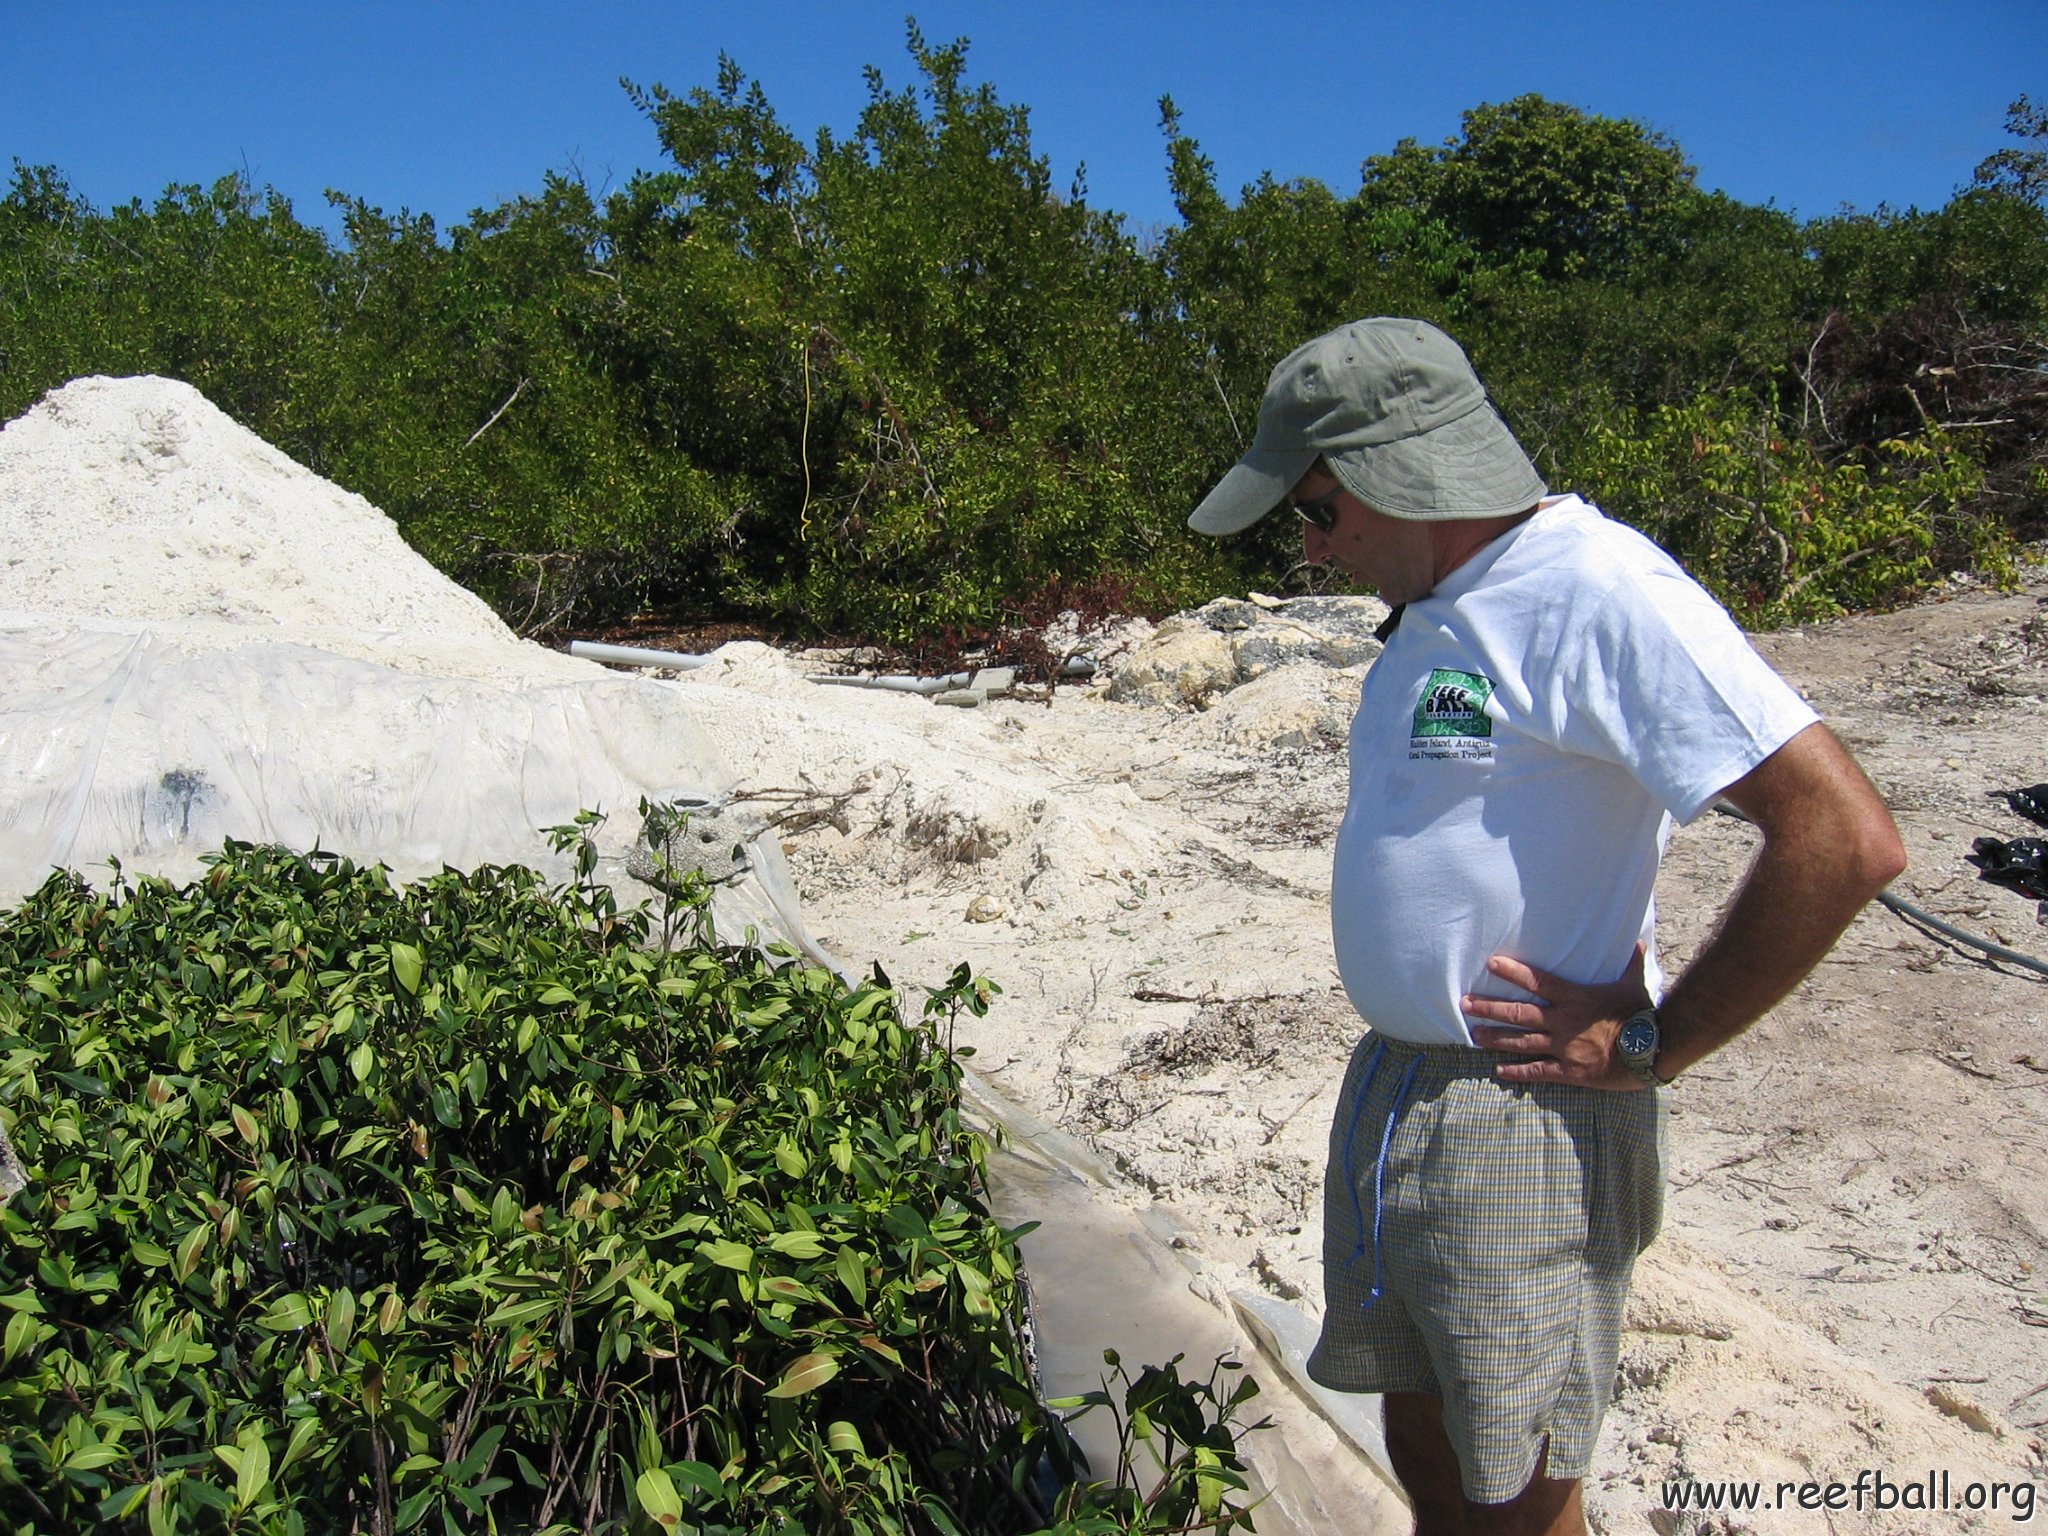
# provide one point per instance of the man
(1553, 694)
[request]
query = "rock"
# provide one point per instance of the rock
(1346, 623)
(711, 841)
(1959, 1405)
(991, 681)
(1225, 614)
(959, 698)
(1181, 668)
(1299, 704)
(1180, 665)
(1273, 645)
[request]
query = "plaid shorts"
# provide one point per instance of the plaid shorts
(1478, 1238)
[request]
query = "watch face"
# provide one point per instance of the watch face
(1638, 1038)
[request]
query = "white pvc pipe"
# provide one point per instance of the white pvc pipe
(634, 655)
(897, 684)
(640, 656)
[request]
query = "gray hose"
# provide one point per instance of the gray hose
(1906, 908)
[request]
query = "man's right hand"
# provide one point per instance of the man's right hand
(1568, 1033)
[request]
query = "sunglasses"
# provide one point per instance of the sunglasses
(1320, 514)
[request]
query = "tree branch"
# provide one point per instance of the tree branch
(517, 390)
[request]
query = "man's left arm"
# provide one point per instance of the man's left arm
(1829, 846)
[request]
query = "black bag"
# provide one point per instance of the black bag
(2021, 863)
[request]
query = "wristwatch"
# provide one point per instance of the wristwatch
(1637, 1046)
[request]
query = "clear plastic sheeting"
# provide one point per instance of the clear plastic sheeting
(152, 743)
(1101, 1275)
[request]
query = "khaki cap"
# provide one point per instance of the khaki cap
(1396, 411)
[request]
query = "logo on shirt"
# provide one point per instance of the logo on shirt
(1451, 718)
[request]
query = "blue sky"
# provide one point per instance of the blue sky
(445, 107)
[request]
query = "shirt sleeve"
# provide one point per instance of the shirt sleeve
(1656, 677)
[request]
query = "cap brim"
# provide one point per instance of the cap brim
(1257, 484)
(1471, 467)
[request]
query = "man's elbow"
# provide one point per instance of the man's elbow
(1848, 859)
(1822, 813)
(1860, 840)
(1880, 855)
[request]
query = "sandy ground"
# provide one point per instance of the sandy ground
(1851, 1275)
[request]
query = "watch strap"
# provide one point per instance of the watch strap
(1644, 1066)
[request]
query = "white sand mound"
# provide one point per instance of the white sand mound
(139, 499)
(201, 639)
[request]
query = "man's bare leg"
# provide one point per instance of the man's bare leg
(1424, 1461)
(1428, 1470)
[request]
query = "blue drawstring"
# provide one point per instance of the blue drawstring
(1372, 1067)
(1379, 1168)
(1379, 1174)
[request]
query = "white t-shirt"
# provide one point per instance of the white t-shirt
(1520, 751)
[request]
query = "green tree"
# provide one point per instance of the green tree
(1577, 192)
(2020, 172)
(940, 358)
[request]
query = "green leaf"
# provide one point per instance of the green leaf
(1083, 1400)
(252, 1478)
(658, 1496)
(709, 1350)
(704, 1479)
(363, 1136)
(286, 1314)
(406, 966)
(784, 1288)
(887, 1351)
(341, 1320)
(90, 1457)
(441, 1098)
(304, 1434)
(904, 1221)
(728, 1253)
(124, 1502)
(409, 1510)
(797, 1245)
(189, 1249)
(853, 1275)
(510, 1313)
(806, 1374)
(843, 1437)
(650, 1299)
(23, 1333)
